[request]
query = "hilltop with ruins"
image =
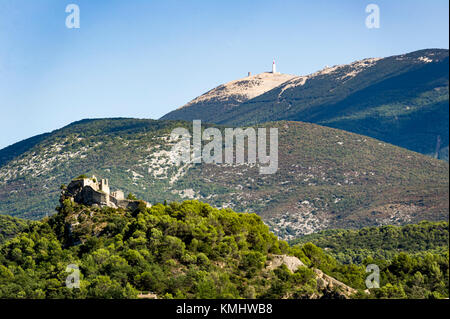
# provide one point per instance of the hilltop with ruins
(94, 192)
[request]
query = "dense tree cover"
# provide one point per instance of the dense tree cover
(423, 275)
(413, 259)
(406, 275)
(190, 250)
(10, 227)
(385, 242)
(187, 250)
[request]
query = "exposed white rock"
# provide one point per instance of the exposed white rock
(425, 59)
(355, 68)
(291, 262)
(243, 89)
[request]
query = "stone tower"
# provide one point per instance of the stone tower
(274, 67)
(104, 186)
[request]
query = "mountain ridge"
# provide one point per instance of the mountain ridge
(327, 178)
(401, 99)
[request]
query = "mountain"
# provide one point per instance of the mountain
(402, 100)
(326, 178)
(227, 96)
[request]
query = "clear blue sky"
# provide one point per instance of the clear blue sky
(142, 59)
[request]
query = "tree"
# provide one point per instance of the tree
(131, 197)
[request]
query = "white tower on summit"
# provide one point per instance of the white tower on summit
(274, 67)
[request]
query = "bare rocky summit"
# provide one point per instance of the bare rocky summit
(402, 100)
(229, 95)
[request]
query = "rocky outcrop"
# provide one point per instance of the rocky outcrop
(327, 284)
(149, 295)
(291, 262)
(228, 96)
(331, 284)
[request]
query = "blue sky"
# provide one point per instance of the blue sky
(142, 59)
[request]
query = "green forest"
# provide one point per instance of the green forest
(413, 259)
(192, 250)
(383, 242)
(11, 226)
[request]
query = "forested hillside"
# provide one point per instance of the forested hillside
(11, 226)
(187, 250)
(326, 178)
(191, 250)
(413, 259)
(352, 246)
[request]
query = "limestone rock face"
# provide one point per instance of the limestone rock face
(327, 284)
(228, 96)
(330, 283)
(291, 262)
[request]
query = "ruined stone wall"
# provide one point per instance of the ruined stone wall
(87, 192)
(124, 203)
(89, 196)
(91, 183)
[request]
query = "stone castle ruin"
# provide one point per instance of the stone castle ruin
(92, 192)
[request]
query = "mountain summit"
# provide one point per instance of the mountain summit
(227, 96)
(402, 100)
